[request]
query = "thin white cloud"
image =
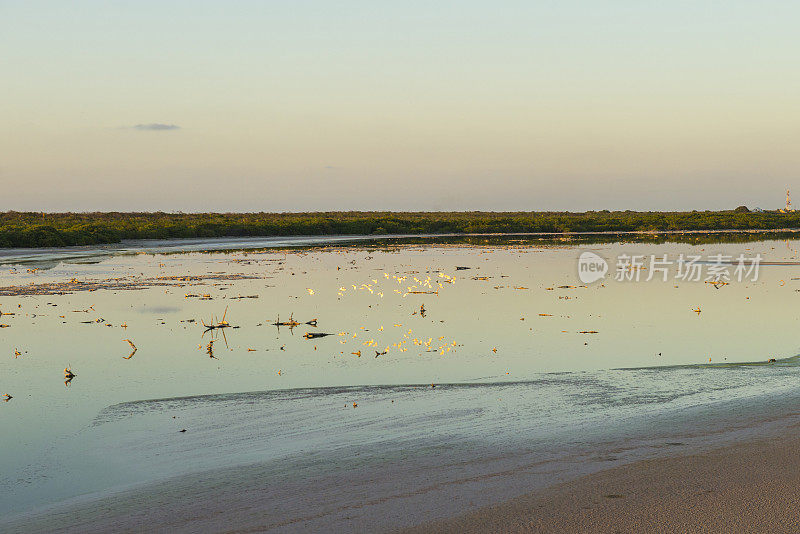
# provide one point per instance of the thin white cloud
(156, 126)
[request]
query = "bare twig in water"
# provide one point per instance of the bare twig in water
(291, 323)
(128, 357)
(218, 325)
(68, 375)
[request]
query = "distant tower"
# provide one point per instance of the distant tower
(788, 208)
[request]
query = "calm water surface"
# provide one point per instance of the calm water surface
(527, 362)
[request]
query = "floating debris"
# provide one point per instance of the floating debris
(314, 335)
(116, 284)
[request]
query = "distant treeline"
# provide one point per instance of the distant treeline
(18, 229)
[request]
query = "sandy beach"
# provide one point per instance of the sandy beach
(747, 487)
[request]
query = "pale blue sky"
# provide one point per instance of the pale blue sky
(310, 105)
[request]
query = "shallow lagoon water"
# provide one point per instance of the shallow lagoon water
(550, 396)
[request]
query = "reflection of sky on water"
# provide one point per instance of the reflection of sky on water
(535, 330)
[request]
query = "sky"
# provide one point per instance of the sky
(308, 105)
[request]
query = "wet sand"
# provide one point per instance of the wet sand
(747, 487)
